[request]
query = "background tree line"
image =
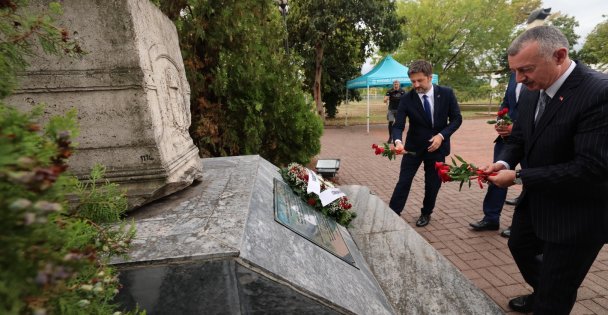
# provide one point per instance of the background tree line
(249, 96)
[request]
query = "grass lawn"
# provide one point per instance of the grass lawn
(356, 113)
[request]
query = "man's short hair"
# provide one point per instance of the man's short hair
(420, 66)
(549, 39)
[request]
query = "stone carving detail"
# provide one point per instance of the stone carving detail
(131, 93)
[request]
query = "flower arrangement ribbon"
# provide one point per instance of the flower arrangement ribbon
(318, 193)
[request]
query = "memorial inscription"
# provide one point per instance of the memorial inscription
(292, 212)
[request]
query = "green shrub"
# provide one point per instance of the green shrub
(54, 257)
(53, 254)
(247, 95)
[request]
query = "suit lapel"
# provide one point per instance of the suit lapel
(559, 100)
(436, 102)
(527, 106)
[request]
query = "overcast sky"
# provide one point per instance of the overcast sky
(588, 13)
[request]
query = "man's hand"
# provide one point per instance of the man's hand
(399, 149)
(492, 168)
(435, 141)
(503, 130)
(503, 179)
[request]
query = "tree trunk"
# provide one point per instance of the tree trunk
(316, 91)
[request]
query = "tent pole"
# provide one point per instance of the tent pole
(367, 107)
(346, 116)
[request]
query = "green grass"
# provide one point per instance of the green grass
(356, 113)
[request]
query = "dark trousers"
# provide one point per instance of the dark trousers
(495, 196)
(432, 182)
(557, 276)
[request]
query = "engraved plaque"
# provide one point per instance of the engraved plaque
(292, 212)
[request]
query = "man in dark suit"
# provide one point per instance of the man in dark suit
(434, 115)
(496, 196)
(392, 98)
(561, 138)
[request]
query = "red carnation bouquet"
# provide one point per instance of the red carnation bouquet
(502, 118)
(465, 172)
(388, 151)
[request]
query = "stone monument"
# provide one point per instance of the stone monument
(219, 248)
(130, 91)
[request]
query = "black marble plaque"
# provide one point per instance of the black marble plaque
(292, 212)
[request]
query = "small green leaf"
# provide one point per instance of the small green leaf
(55, 8)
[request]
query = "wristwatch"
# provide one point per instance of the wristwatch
(517, 180)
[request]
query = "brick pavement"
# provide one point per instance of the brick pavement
(482, 256)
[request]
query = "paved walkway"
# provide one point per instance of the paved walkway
(482, 256)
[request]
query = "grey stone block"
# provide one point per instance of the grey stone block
(416, 278)
(221, 236)
(131, 93)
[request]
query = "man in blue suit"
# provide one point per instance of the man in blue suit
(434, 115)
(561, 140)
(496, 196)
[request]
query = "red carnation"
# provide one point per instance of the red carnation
(388, 151)
(502, 118)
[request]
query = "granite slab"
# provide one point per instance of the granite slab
(222, 233)
(417, 279)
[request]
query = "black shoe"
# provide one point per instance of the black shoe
(522, 304)
(506, 232)
(423, 220)
(512, 202)
(484, 226)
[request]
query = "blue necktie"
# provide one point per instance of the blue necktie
(427, 108)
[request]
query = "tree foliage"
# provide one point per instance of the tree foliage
(566, 24)
(53, 255)
(465, 40)
(20, 32)
(334, 37)
(595, 49)
(247, 94)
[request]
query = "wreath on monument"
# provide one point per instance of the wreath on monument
(299, 178)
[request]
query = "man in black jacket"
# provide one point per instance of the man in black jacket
(561, 140)
(392, 98)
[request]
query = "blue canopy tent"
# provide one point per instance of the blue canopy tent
(383, 74)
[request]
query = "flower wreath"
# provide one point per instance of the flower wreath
(296, 177)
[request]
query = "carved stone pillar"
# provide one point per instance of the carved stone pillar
(131, 93)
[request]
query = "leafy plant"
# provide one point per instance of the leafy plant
(247, 93)
(54, 256)
(54, 253)
(21, 32)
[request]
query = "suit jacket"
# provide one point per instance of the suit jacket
(565, 159)
(510, 102)
(446, 115)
